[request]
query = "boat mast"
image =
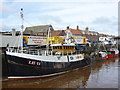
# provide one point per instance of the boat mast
(48, 37)
(22, 27)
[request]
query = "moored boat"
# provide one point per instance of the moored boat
(101, 56)
(22, 65)
(113, 52)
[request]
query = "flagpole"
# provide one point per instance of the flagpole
(22, 29)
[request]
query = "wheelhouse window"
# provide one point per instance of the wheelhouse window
(63, 47)
(57, 47)
(60, 47)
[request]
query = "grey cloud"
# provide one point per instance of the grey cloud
(50, 19)
(105, 20)
(107, 25)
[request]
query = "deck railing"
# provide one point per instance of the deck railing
(45, 52)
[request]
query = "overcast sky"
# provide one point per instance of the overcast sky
(98, 15)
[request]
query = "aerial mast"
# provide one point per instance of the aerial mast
(22, 27)
(48, 39)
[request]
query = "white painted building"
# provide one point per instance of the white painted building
(13, 41)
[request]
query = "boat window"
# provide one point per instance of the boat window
(59, 47)
(55, 47)
(65, 47)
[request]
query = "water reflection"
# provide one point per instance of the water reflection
(99, 75)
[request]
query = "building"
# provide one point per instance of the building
(11, 33)
(12, 41)
(92, 36)
(58, 33)
(117, 38)
(75, 32)
(41, 30)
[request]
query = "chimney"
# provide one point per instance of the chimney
(68, 27)
(77, 27)
(50, 26)
(86, 29)
(13, 32)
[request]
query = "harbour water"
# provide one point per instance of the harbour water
(100, 74)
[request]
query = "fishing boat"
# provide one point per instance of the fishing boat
(101, 56)
(101, 53)
(113, 52)
(111, 47)
(22, 65)
(56, 59)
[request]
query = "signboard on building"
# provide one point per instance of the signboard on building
(80, 40)
(37, 40)
(105, 38)
(34, 40)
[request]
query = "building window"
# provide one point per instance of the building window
(44, 34)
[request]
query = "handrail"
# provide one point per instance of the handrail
(45, 52)
(51, 52)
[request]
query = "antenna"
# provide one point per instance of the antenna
(22, 27)
(48, 39)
